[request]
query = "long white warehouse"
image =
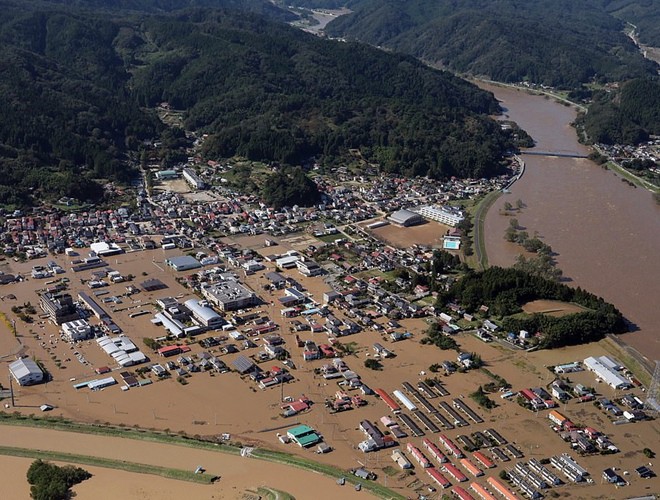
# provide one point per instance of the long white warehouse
(403, 399)
(606, 374)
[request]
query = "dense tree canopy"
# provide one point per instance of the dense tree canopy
(290, 187)
(504, 291)
(625, 116)
(51, 482)
(67, 115)
(79, 85)
(643, 14)
(268, 92)
(559, 43)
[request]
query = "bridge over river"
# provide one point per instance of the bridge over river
(560, 154)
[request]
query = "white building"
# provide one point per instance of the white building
(287, 262)
(193, 179)
(444, 215)
(204, 315)
(229, 295)
(252, 266)
(105, 249)
(122, 350)
(309, 268)
(606, 374)
(26, 372)
(76, 330)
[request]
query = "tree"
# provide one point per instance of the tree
(510, 234)
(513, 223)
(373, 364)
(519, 204)
(50, 482)
(508, 206)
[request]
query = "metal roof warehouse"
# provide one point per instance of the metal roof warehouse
(26, 371)
(183, 263)
(204, 314)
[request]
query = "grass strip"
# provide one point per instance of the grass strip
(629, 176)
(56, 423)
(107, 463)
(479, 228)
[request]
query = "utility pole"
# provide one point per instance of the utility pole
(11, 390)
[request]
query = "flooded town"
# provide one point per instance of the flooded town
(197, 311)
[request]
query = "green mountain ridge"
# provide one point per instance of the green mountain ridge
(81, 85)
(561, 43)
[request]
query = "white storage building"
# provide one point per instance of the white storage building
(404, 400)
(26, 372)
(97, 385)
(122, 350)
(173, 326)
(606, 374)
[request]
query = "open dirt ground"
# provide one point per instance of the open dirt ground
(552, 307)
(430, 234)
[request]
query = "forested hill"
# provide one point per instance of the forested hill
(269, 92)
(67, 115)
(625, 116)
(76, 89)
(559, 43)
(644, 14)
(263, 7)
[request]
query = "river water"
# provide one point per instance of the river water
(605, 232)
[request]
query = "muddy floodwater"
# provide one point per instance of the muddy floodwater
(605, 232)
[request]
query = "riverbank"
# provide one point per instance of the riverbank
(605, 232)
(480, 253)
(532, 90)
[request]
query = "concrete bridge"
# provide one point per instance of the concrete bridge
(560, 154)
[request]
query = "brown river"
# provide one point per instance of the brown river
(605, 232)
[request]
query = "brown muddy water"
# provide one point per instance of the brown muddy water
(605, 232)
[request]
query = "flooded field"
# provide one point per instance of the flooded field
(606, 233)
(237, 475)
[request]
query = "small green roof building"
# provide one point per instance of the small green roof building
(303, 435)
